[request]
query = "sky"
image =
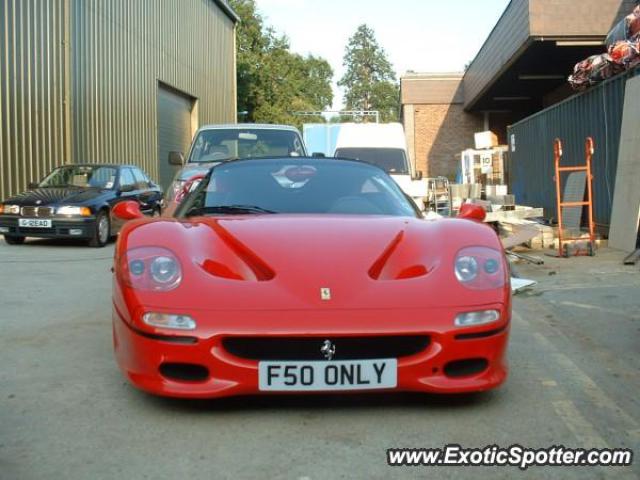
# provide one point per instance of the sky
(418, 35)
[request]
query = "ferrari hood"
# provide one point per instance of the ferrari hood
(303, 261)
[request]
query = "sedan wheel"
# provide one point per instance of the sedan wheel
(12, 240)
(102, 231)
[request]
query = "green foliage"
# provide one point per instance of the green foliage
(369, 82)
(273, 82)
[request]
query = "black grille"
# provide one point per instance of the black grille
(306, 348)
(39, 212)
(29, 211)
(36, 231)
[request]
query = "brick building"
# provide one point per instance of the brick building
(436, 124)
(521, 69)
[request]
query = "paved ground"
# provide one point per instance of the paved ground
(66, 412)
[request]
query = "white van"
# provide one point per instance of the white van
(384, 145)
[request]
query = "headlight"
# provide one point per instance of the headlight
(150, 268)
(165, 270)
(480, 268)
(469, 319)
(10, 209)
(466, 268)
(164, 320)
(77, 211)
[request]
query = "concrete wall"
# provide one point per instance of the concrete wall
(551, 18)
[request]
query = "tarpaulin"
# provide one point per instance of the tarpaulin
(625, 29)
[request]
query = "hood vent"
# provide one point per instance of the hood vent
(391, 264)
(246, 265)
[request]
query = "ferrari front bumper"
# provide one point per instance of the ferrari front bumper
(441, 367)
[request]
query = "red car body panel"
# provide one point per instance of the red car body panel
(261, 275)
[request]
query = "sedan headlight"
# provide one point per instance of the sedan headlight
(480, 268)
(75, 211)
(470, 319)
(10, 209)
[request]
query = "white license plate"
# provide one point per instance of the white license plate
(34, 223)
(328, 375)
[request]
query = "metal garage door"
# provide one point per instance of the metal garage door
(174, 129)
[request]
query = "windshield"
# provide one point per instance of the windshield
(310, 186)
(391, 160)
(83, 176)
(224, 144)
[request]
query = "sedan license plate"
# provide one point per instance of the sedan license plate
(328, 375)
(34, 223)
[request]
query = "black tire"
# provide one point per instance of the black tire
(101, 230)
(13, 240)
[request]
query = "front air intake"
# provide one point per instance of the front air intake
(465, 368)
(184, 372)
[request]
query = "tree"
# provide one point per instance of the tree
(273, 82)
(250, 45)
(369, 82)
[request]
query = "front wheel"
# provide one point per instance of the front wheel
(13, 240)
(101, 231)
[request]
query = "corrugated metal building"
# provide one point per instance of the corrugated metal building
(110, 81)
(595, 113)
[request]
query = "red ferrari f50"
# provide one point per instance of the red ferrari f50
(295, 275)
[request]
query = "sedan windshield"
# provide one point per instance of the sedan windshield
(391, 160)
(82, 176)
(309, 186)
(224, 144)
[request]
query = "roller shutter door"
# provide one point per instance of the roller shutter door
(174, 130)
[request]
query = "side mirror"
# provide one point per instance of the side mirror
(176, 158)
(127, 188)
(32, 185)
(318, 155)
(419, 175)
(127, 210)
(474, 212)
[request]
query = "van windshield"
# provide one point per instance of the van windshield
(391, 160)
(222, 144)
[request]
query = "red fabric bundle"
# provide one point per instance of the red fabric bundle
(626, 53)
(593, 70)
